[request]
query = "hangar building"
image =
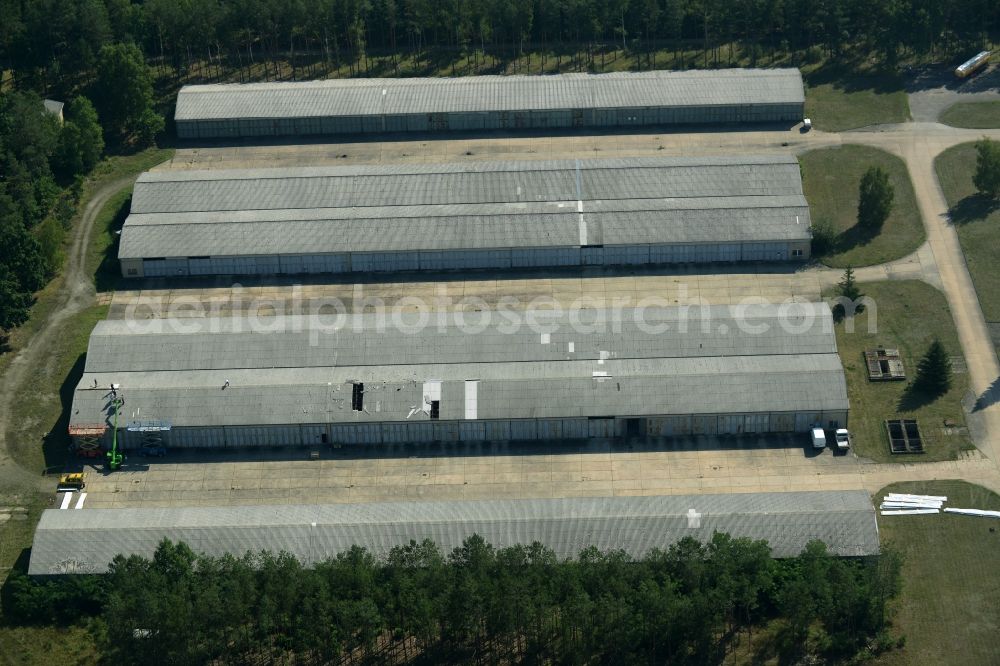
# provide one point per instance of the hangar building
(493, 215)
(471, 103)
(375, 379)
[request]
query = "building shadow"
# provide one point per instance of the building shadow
(56, 442)
(464, 275)
(108, 274)
(487, 134)
(513, 449)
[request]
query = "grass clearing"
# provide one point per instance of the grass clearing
(908, 315)
(972, 115)
(47, 645)
(949, 609)
(37, 435)
(839, 98)
(977, 221)
(830, 179)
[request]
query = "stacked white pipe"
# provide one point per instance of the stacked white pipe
(903, 504)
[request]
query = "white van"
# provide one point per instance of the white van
(819, 438)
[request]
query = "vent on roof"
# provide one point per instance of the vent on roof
(358, 397)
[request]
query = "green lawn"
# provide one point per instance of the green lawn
(839, 99)
(972, 115)
(908, 315)
(977, 223)
(37, 432)
(949, 609)
(830, 179)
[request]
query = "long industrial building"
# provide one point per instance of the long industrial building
(495, 215)
(85, 541)
(378, 106)
(375, 379)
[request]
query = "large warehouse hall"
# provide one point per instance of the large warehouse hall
(74, 542)
(378, 106)
(361, 219)
(551, 375)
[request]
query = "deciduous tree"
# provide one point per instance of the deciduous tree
(987, 177)
(125, 93)
(81, 139)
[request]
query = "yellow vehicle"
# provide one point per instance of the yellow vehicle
(974, 63)
(71, 482)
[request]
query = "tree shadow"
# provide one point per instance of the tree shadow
(108, 273)
(989, 397)
(915, 397)
(936, 76)
(856, 236)
(56, 442)
(850, 76)
(4, 344)
(7, 603)
(972, 208)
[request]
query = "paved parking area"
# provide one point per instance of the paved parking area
(933, 89)
(500, 471)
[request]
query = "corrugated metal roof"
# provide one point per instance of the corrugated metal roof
(85, 541)
(751, 361)
(374, 97)
(223, 343)
(526, 390)
(468, 206)
(174, 191)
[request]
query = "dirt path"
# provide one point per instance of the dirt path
(76, 293)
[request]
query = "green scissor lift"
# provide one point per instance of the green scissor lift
(115, 457)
